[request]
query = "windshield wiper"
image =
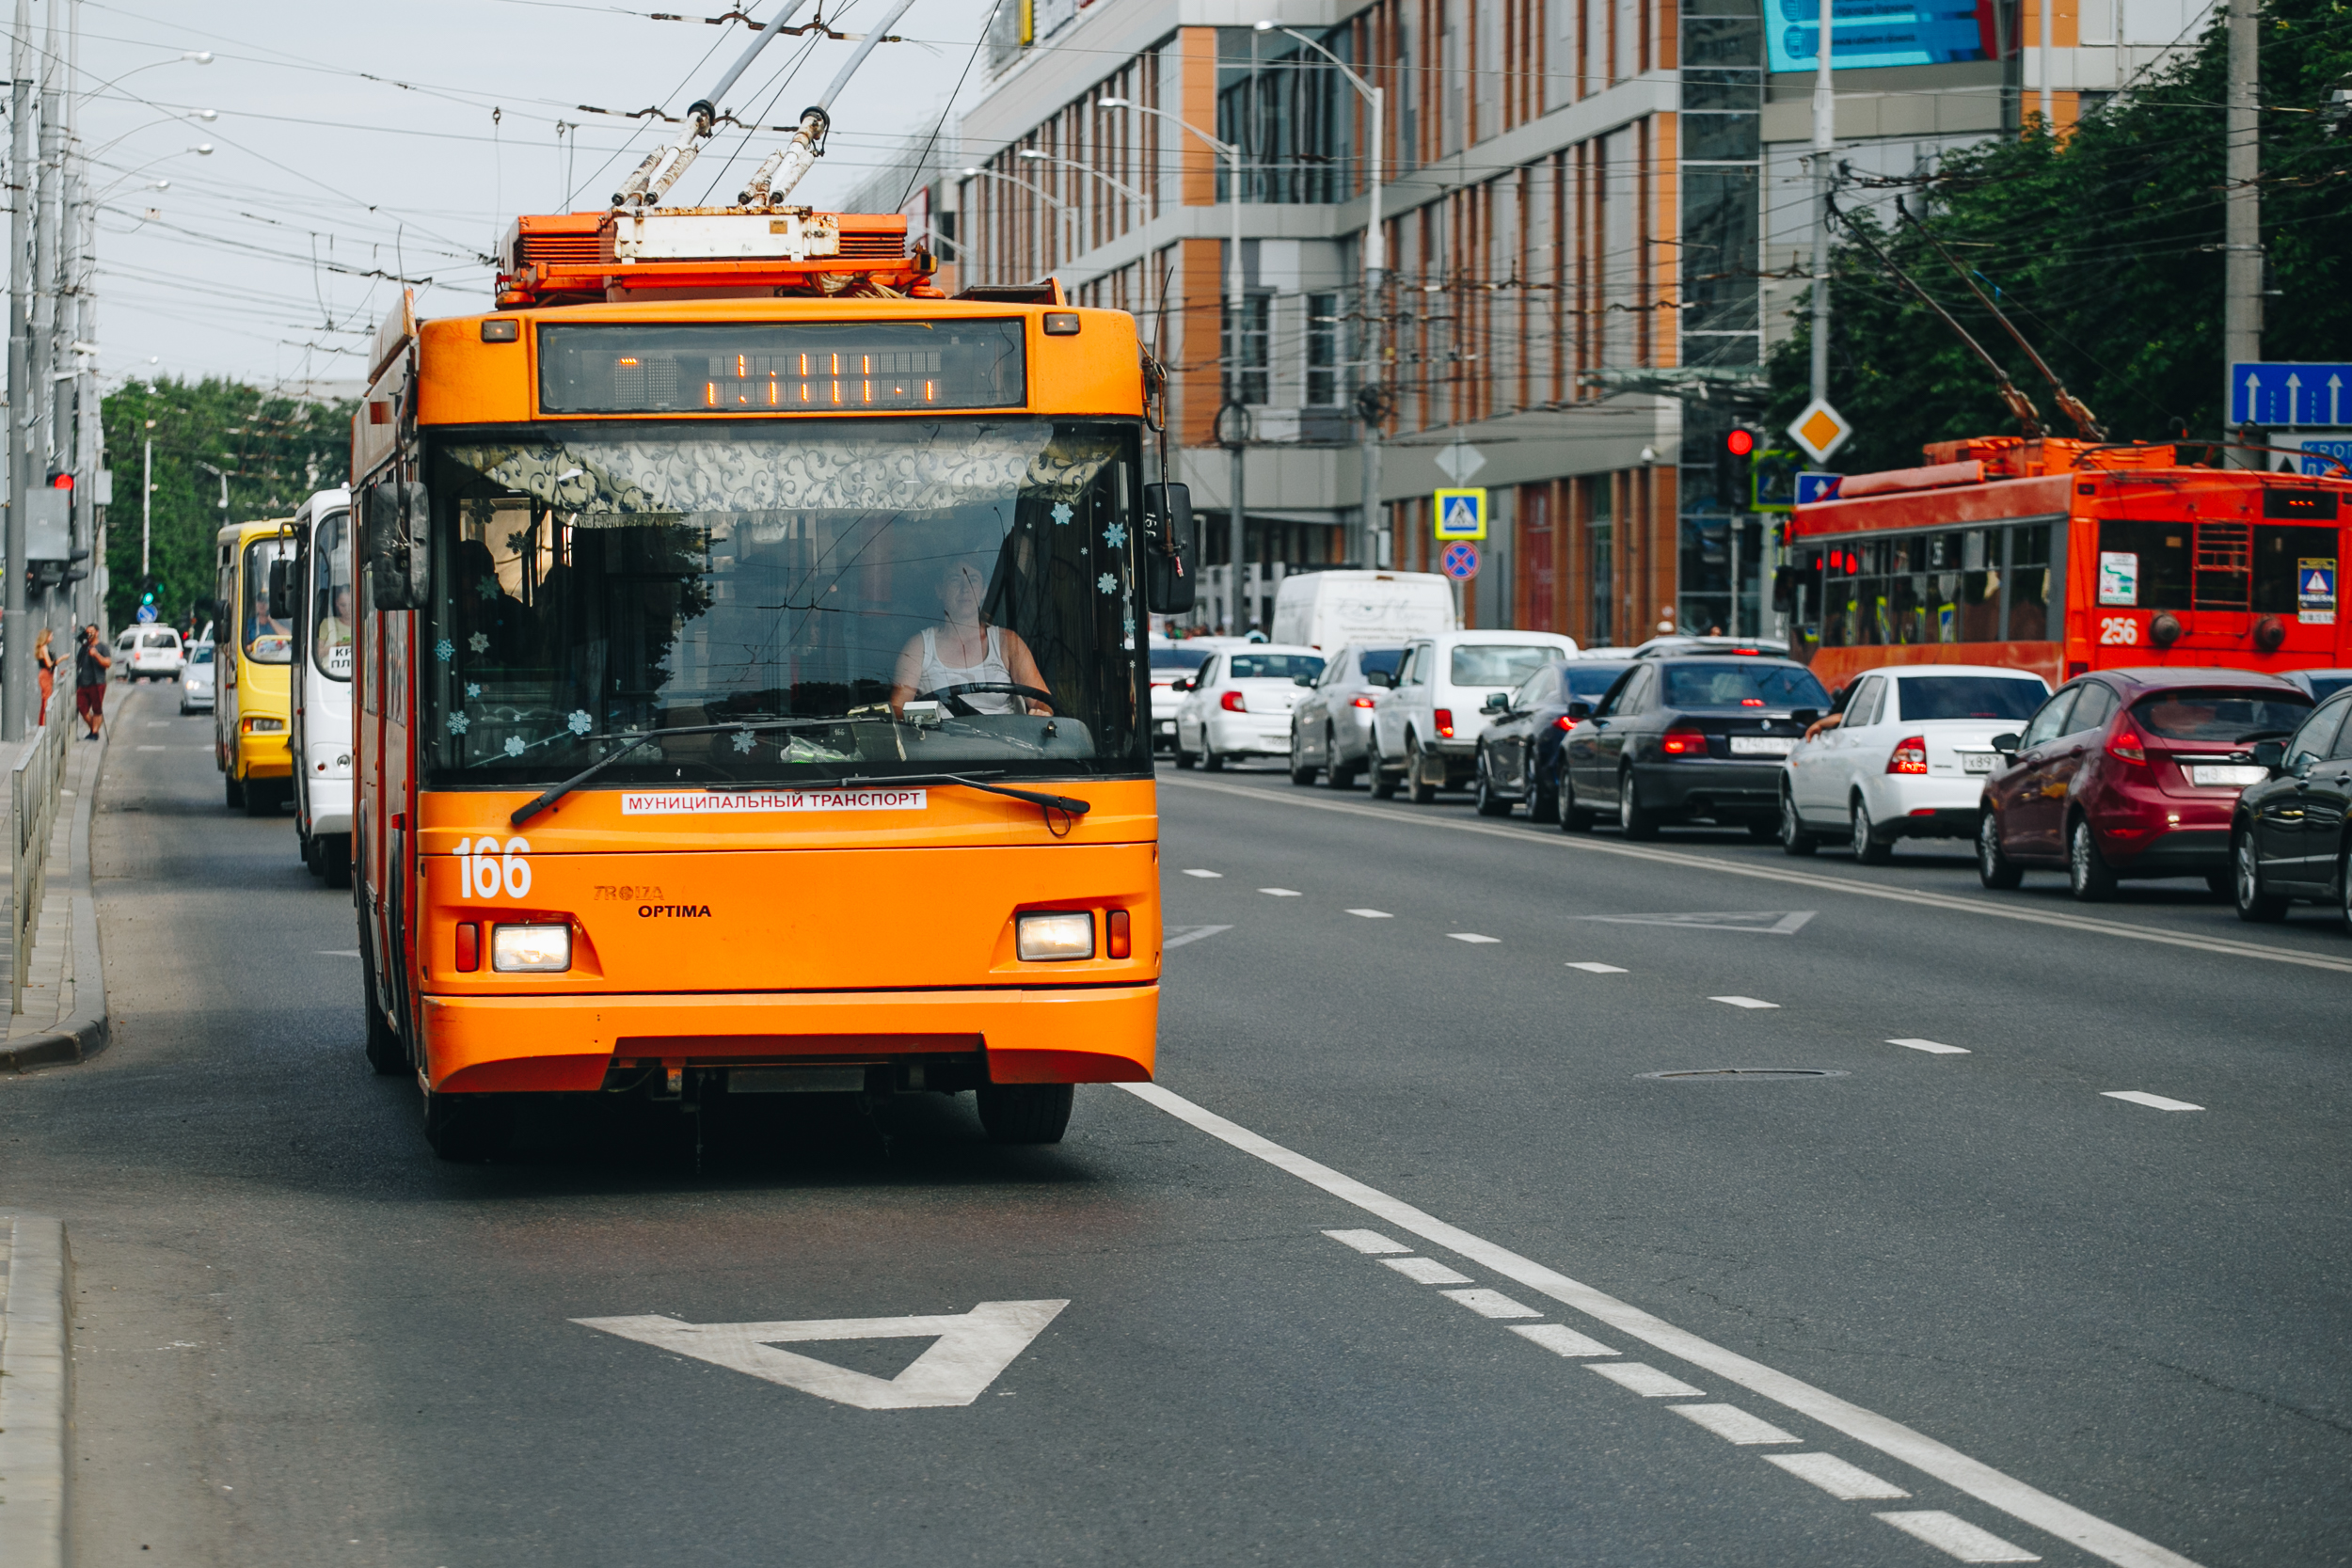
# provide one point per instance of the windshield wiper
(1036, 797)
(529, 809)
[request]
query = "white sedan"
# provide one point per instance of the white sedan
(1908, 760)
(1239, 705)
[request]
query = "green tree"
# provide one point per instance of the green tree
(2104, 245)
(276, 451)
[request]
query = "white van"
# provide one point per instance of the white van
(1326, 610)
(323, 609)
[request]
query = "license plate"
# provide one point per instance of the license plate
(1977, 762)
(2232, 774)
(1760, 744)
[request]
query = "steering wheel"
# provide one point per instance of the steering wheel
(953, 696)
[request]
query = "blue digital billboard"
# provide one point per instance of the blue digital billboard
(1867, 33)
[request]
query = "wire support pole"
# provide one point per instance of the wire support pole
(15, 648)
(2242, 251)
(1824, 143)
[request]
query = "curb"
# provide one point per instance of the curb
(83, 1035)
(36, 1388)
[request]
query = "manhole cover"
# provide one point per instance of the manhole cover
(1749, 1072)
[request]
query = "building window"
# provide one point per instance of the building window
(1603, 568)
(1323, 350)
(1255, 325)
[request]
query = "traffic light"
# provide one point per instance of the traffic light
(60, 479)
(1733, 455)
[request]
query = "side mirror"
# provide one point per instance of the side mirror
(1302, 680)
(397, 553)
(1497, 702)
(1381, 678)
(2008, 744)
(281, 591)
(2271, 754)
(1182, 683)
(1168, 578)
(1804, 716)
(1580, 708)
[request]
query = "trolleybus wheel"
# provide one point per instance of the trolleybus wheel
(335, 859)
(467, 1126)
(1025, 1113)
(387, 1053)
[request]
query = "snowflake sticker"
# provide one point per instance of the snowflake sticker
(458, 723)
(1107, 583)
(579, 723)
(473, 691)
(1061, 513)
(1115, 535)
(514, 745)
(479, 643)
(444, 650)
(1128, 626)
(743, 741)
(488, 588)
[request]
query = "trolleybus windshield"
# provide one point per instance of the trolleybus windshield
(878, 597)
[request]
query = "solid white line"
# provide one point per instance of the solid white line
(1996, 911)
(1957, 1537)
(1373, 915)
(1733, 1424)
(1195, 871)
(1645, 1380)
(1833, 1475)
(1195, 934)
(1370, 1242)
(1471, 936)
(2154, 1101)
(1426, 1271)
(1279, 891)
(1492, 1304)
(154, 747)
(1744, 1002)
(1935, 1047)
(1561, 1339)
(2107, 1542)
(1597, 969)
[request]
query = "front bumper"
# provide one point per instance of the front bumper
(543, 1044)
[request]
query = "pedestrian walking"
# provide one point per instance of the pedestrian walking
(90, 665)
(45, 658)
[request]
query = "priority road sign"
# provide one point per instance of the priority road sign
(1820, 430)
(1460, 561)
(2290, 392)
(1460, 515)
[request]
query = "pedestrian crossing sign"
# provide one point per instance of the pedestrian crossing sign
(1460, 515)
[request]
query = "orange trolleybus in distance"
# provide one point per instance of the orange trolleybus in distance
(753, 695)
(2064, 555)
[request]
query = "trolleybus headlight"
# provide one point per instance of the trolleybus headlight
(531, 949)
(1060, 935)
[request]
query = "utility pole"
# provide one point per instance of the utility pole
(1824, 143)
(147, 506)
(16, 686)
(2242, 253)
(1240, 414)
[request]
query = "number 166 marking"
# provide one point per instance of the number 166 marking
(483, 870)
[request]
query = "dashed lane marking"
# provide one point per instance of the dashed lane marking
(1733, 1424)
(339, 952)
(1957, 1537)
(1561, 1339)
(1833, 1475)
(154, 747)
(1279, 891)
(1373, 915)
(1196, 871)
(1644, 1378)
(1368, 1242)
(1934, 1047)
(1743, 1002)
(1492, 1304)
(1597, 969)
(1987, 907)
(1189, 933)
(2154, 1101)
(1426, 1271)
(1471, 936)
(2107, 1541)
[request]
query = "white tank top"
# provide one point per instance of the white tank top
(991, 669)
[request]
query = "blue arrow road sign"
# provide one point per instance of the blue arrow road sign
(2290, 394)
(1813, 487)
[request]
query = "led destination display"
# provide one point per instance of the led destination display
(782, 368)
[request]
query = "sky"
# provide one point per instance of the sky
(350, 140)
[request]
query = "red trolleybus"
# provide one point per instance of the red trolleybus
(2060, 556)
(752, 685)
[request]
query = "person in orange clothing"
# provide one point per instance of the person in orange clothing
(45, 658)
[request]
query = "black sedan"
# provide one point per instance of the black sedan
(1688, 739)
(2289, 835)
(1518, 755)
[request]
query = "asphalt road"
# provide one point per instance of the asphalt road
(2017, 1310)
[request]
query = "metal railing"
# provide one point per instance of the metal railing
(35, 783)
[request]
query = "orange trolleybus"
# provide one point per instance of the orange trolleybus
(2060, 556)
(752, 694)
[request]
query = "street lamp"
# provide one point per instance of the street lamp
(1232, 310)
(1036, 156)
(1376, 267)
(1061, 207)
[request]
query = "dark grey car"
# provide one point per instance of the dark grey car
(1681, 739)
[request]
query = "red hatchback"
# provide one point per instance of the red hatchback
(2131, 773)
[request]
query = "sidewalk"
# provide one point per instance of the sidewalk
(65, 988)
(36, 1379)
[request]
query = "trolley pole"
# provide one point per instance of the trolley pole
(2242, 251)
(15, 643)
(1824, 143)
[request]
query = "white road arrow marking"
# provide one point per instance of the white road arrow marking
(974, 1349)
(1770, 923)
